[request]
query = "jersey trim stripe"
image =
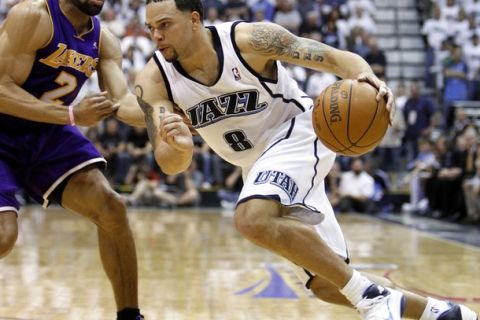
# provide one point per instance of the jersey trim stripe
(5, 209)
(217, 44)
(281, 96)
(165, 79)
(53, 28)
(82, 165)
(289, 132)
(315, 169)
(239, 55)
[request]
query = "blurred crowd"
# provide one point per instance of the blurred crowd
(430, 152)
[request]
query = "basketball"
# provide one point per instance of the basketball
(348, 119)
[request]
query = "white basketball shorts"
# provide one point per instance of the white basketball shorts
(292, 170)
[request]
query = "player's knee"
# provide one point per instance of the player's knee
(8, 237)
(112, 216)
(250, 222)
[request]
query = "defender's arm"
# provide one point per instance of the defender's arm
(112, 80)
(26, 29)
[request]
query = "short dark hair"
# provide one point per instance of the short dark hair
(186, 5)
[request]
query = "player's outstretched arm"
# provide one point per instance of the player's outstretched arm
(112, 80)
(263, 43)
(26, 29)
(170, 136)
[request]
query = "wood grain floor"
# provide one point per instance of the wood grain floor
(194, 265)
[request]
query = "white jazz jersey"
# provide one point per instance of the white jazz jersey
(263, 126)
(238, 114)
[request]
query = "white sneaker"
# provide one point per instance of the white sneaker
(380, 303)
(457, 312)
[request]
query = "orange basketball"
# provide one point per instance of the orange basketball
(348, 119)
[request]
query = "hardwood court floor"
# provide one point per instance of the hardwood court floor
(194, 265)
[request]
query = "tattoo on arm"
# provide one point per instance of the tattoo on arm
(272, 39)
(148, 111)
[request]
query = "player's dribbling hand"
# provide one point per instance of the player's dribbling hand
(175, 132)
(93, 108)
(384, 92)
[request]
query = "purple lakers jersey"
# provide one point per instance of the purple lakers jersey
(61, 67)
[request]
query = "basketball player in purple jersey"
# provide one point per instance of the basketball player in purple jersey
(48, 49)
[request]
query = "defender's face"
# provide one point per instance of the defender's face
(89, 7)
(169, 27)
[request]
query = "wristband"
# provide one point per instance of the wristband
(70, 115)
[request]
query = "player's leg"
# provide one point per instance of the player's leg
(89, 193)
(9, 207)
(265, 223)
(8, 230)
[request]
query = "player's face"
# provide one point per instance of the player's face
(170, 28)
(89, 7)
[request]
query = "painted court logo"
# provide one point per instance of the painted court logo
(279, 179)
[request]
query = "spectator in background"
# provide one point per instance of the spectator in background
(217, 4)
(382, 186)
(342, 26)
(112, 146)
(362, 20)
(473, 8)
(420, 170)
(356, 189)
(471, 188)
(460, 29)
(435, 30)
(317, 81)
(456, 84)
(471, 51)
(136, 37)
(418, 114)
(330, 34)
(332, 184)
(376, 58)
(389, 150)
(113, 22)
(366, 5)
(212, 17)
(231, 188)
(177, 190)
(236, 10)
(266, 7)
(288, 16)
(311, 24)
(358, 41)
(450, 11)
(139, 151)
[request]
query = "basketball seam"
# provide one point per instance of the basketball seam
(328, 126)
(366, 130)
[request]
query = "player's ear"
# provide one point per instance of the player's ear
(196, 20)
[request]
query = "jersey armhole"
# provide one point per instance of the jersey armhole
(52, 24)
(165, 79)
(242, 60)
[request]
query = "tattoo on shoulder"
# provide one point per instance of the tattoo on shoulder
(273, 39)
(148, 111)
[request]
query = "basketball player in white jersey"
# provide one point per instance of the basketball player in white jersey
(229, 82)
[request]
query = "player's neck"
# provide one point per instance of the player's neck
(79, 20)
(202, 56)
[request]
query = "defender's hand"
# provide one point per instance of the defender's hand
(94, 108)
(384, 92)
(175, 132)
